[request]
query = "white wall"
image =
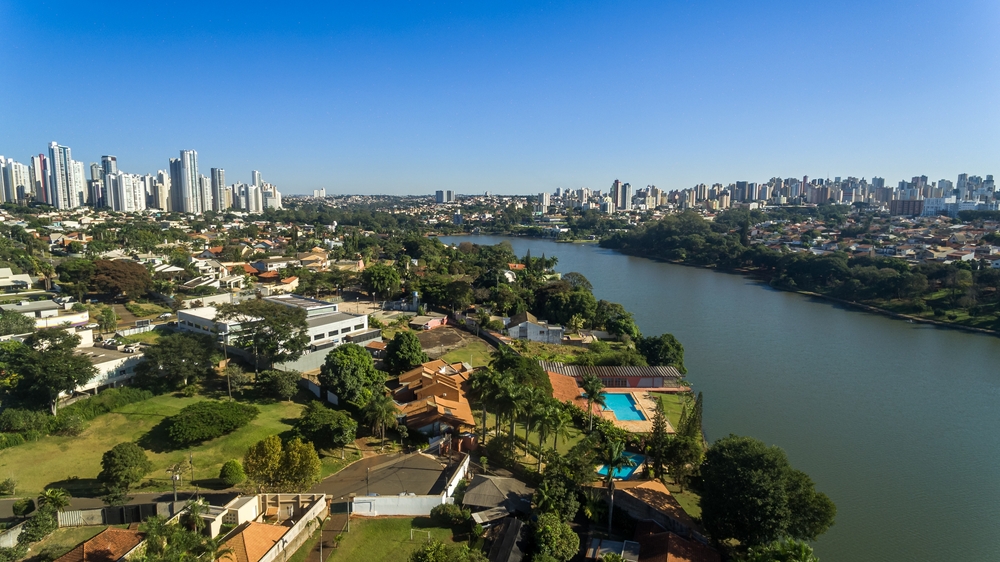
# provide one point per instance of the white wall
(374, 506)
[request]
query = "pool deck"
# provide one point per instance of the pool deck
(643, 402)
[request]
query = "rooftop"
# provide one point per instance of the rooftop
(108, 546)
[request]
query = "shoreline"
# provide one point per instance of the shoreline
(852, 304)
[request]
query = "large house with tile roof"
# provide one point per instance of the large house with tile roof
(110, 545)
(431, 398)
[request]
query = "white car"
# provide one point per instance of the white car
(165, 315)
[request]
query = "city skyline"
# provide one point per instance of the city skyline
(513, 99)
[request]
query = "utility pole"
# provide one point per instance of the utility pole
(368, 474)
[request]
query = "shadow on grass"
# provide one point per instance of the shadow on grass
(157, 439)
(78, 487)
(459, 533)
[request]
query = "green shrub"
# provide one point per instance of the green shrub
(70, 425)
(8, 440)
(23, 507)
(209, 419)
(450, 515)
(107, 401)
(8, 486)
(232, 473)
(17, 420)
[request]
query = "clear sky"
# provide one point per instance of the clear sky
(510, 97)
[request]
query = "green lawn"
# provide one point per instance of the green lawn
(386, 540)
(476, 353)
(73, 462)
(149, 337)
(673, 404)
(62, 541)
(690, 501)
(548, 351)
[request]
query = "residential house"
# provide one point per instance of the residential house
(274, 263)
(113, 366)
(110, 545)
(488, 492)
(48, 313)
(431, 397)
(428, 321)
(620, 377)
(657, 544)
(525, 326)
(10, 281)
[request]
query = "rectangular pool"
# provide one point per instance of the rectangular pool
(624, 407)
(624, 473)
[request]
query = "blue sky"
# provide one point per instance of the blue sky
(510, 97)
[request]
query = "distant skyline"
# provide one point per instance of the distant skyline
(398, 98)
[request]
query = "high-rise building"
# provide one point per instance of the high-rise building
(60, 174)
(255, 179)
(544, 200)
(185, 189)
(39, 181)
(205, 192)
(616, 194)
(321, 192)
(218, 186)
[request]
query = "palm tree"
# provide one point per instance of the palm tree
(57, 498)
(593, 388)
(613, 456)
(380, 413)
(192, 519)
(483, 384)
(213, 550)
(561, 422)
(543, 425)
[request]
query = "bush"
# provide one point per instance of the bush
(208, 420)
(23, 507)
(8, 440)
(8, 486)
(232, 473)
(107, 401)
(70, 425)
(450, 515)
(17, 420)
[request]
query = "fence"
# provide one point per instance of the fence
(411, 505)
(81, 517)
(8, 539)
(460, 473)
(133, 331)
(294, 537)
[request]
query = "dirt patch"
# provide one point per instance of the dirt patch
(439, 341)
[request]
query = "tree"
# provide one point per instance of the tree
(123, 466)
(658, 440)
(380, 413)
(56, 498)
(12, 322)
(176, 360)
(751, 494)
(782, 551)
(349, 372)
(232, 473)
(593, 387)
(690, 422)
(683, 455)
(325, 427)
(380, 279)
(22, 507)
(300, 465)
(614, 458)
(578, 282)
(46, 365)
(262, 463)
(555, 538)
(77, 272)
(404, 352)
(108, 320)
(281, 384)
(122, 277)
(275, 333)
(436, 551)
(662, 350)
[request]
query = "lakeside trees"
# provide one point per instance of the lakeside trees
(750, 493)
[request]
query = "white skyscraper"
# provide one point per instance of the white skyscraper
(60, 172)
(255, 179)
(218, 186)
(185, 189)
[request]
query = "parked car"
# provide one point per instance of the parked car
(165, 315)
(91, 326)
(131, 348)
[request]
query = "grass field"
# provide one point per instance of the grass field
(690, 501)
(673, 404)
(386, 540)
(548, 351)
(476, 353)
(62, 541)
(73, 462)
(149, 337)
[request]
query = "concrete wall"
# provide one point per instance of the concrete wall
(463, 468)
(81, 517)
(375, 506)
(299, 532)
(8, 539)
(310, 361)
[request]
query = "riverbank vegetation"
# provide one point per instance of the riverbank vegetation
(961, 292)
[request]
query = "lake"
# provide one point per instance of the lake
(898, 423)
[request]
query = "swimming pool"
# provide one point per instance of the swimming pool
(626, 472)
(624, 407)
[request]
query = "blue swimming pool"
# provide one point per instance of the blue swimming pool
(627, 472)
(624, 407)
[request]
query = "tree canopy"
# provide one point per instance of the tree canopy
(349, 372)
(751, 493)
(273, 332)
(122, 277)
(176, 360)
(44, 366)
(404, 352)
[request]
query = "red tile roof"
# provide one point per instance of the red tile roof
(253, 542)
(108, 546)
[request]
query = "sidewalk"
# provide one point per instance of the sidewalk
(334, 525)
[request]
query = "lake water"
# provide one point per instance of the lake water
(898, 423)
